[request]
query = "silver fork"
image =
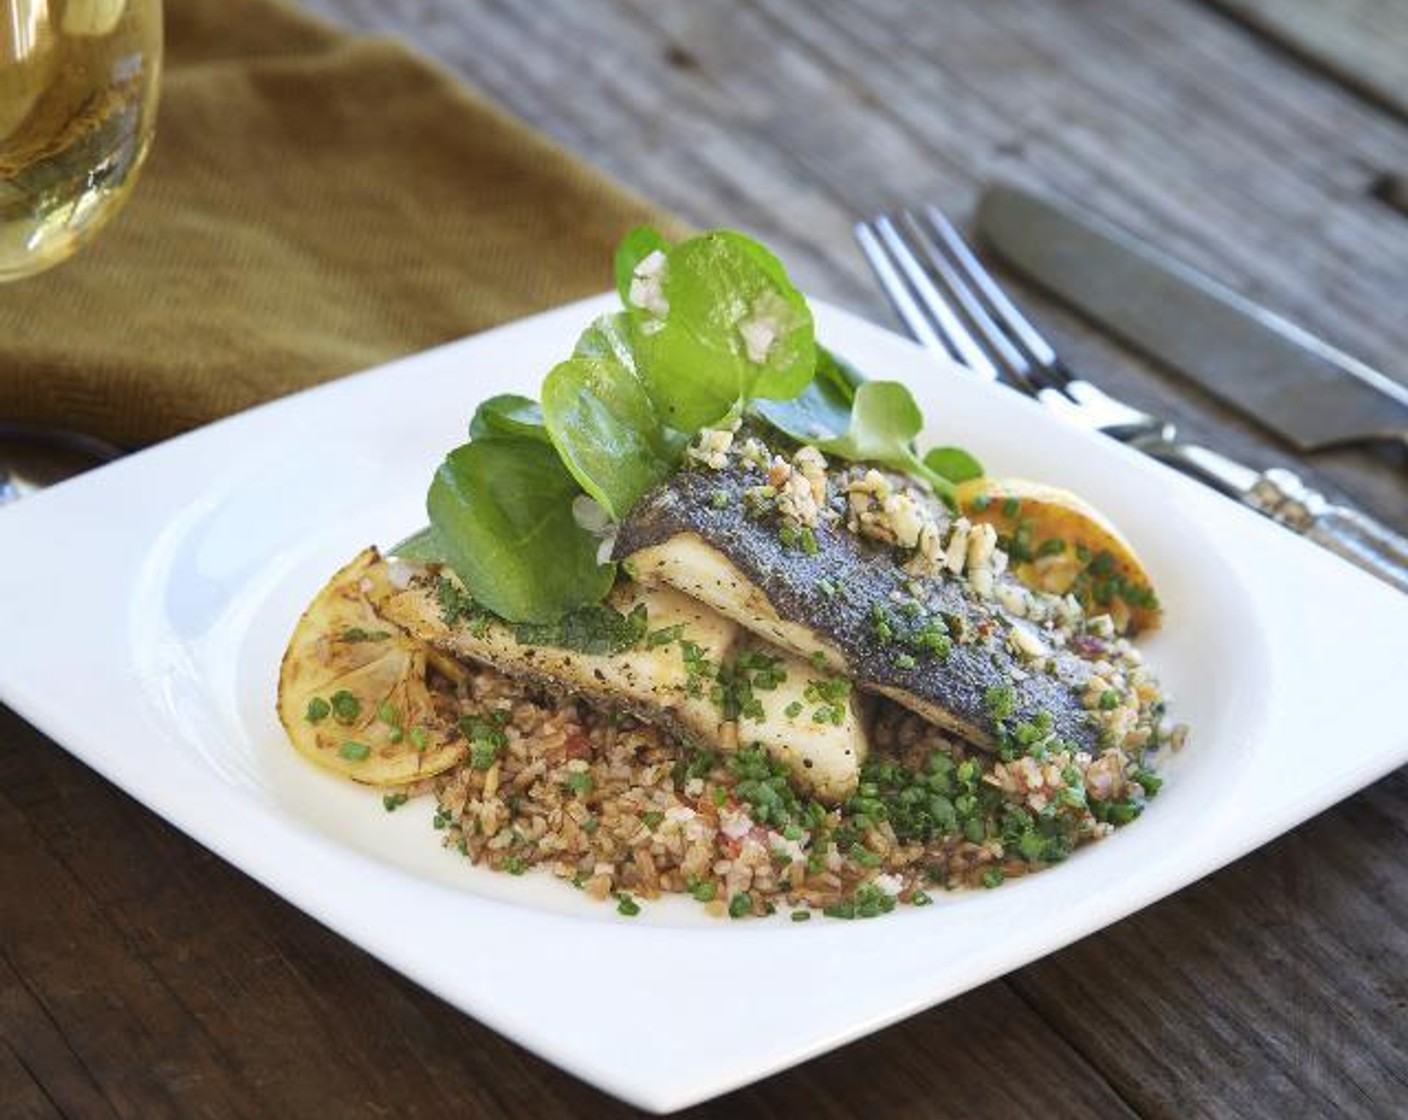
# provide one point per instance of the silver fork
(954, 307)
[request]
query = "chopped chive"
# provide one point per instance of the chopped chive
(993, 877)
(801, 915)
(345, 706)
(318, 710)
(626, 906)
(419, 739)
(740, 905)
(353, 751)
(392, 801)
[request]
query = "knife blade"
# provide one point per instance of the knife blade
(1266, 367)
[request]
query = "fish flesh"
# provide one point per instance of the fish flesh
(958, 659)
(672, 676)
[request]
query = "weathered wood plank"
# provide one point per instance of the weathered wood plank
(157, 981)
(1361, 43)
(1275, 988)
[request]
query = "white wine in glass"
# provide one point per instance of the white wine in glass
(78, 91)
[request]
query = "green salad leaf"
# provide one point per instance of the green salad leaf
(718, 325)
(422, 547)
(502, 510)
(953, 463)
(604, 427)
(508, 414)
(638, 244)
(884, 423)
(823, 409)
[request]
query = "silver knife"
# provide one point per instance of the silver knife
(1049, 244)
(1273, 371)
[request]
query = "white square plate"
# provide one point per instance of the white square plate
(144, 608)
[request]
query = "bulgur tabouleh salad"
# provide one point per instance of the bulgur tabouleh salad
(702, 620)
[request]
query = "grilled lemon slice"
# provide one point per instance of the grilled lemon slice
(352, 687)
(1060, 543)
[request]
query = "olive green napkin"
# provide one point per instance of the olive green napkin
(315, 203)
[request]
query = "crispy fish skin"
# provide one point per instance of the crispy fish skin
(695, 533)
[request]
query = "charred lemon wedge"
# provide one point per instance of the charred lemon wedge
(1060, 543)
(353, 695)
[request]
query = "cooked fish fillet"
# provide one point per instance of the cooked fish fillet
(846, 602)
(652, 682)
(669, 680)
(809, 722)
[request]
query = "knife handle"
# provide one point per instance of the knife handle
(1347, 532)
(1282, 496)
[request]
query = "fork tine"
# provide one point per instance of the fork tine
(1016, 325)
(954, 334)
(1009, 359)
(901, 298)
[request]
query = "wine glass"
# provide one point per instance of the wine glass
(78, 92)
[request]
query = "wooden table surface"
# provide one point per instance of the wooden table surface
(1266, 140)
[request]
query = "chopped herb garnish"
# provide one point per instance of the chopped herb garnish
(1011, 507)
(793, 710)
(345, 706)
(801, 915)
(393, 801)
(704, 891)
(905, 661)
(664, 636)
(740, 905)
(1001, 701)
(353, 751)
(579, 782)
(514, 865)
(595, 630)
(652, 819)
(419, 739)
(357, 634)
(993, 877)
(318, 710)
(626, 906)
(719, 499)
(1109, 700)
(388, 714)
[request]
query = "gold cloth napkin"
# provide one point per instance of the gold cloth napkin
(314, 203)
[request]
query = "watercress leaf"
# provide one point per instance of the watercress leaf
(840, 373)
(508, 414)
(608, 338)
(725, 326)
(502, 509)
(823, 409)
(953, 463)
(422, 547)
(638, 244)
(605, 429)
(884, 421)
(820, 412)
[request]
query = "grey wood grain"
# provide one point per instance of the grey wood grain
(1363, 43)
